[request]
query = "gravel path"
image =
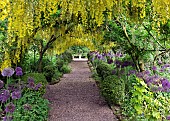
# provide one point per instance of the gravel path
(76, 97)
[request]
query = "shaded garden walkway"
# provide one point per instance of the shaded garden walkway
(76, 97)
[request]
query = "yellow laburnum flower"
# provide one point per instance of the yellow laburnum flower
(2, 4)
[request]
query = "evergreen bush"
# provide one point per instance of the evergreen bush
(113, 89)
(59, 63)
(67, 56)
(103, 69)
(49, 72)
(65, 69)
(38, 78)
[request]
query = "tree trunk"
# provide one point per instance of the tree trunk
(39, 62)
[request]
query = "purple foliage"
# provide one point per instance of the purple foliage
(152, 79)
(109, 54)
(31, 83)
(99, 56)
(93, 58)
(104, 54)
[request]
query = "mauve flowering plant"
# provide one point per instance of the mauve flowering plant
(7, 118)
(39, 85)
(4, 95)
(16, 94)
(158, 81)
(10, 108)
(8, 72)
(11, 93)
(27, 107)
(18, 71)
(168, 117)
(1, 84)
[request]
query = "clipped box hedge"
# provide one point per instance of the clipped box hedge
(103, 69)
(113, 89)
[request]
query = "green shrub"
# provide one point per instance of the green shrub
(103, 69)
(38, 77)
(57, 75)
(67, 56)
(144, 104)
(49, 72)
(65, 69)
(31, 107)
(113, 89)
(59, 63)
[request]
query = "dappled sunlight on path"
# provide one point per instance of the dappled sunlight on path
(76, 97)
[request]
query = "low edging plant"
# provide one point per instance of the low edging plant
(22, 101)
(145, 94)
(103, 69)
(38, 77)
(49, 72)
(113, 89)
(31, 107)
(65, 69)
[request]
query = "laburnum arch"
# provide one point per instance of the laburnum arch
(63, 23)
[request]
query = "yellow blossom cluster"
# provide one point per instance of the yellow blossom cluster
(27, 18)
